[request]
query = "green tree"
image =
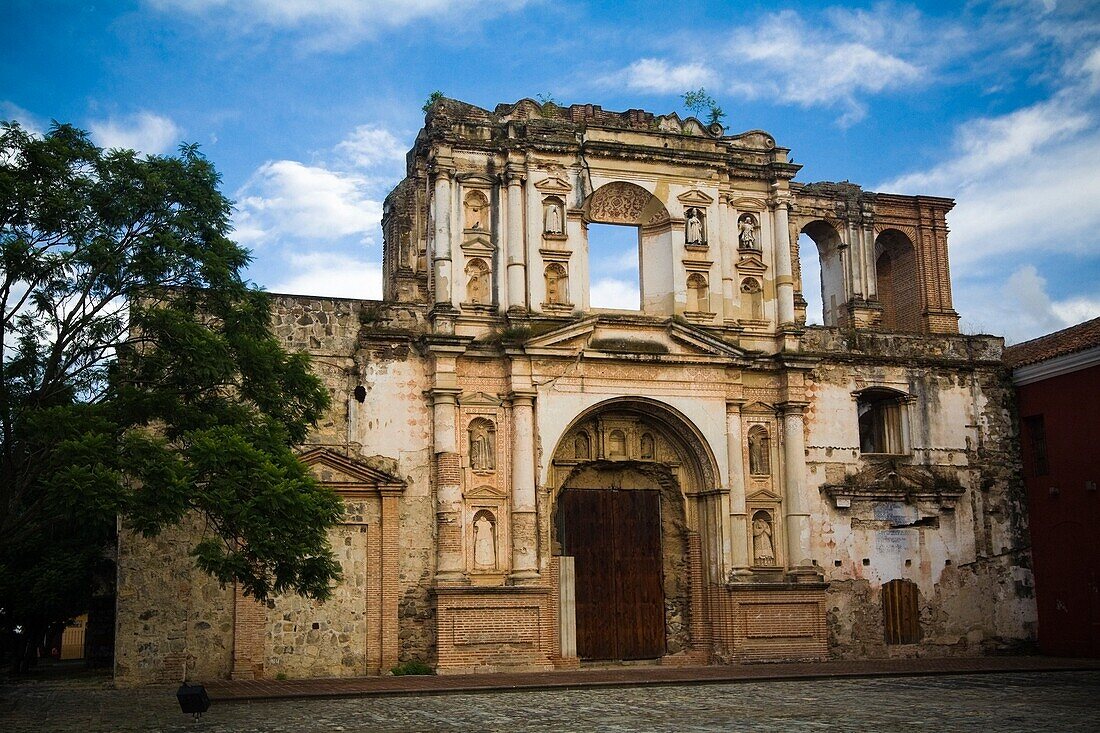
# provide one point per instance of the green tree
(141, 380)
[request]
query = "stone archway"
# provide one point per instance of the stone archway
(630, 503)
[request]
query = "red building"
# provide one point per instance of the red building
(1057, 380)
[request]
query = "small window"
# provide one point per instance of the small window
(881, 421)
(1036, 442)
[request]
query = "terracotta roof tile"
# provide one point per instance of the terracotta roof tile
(1067, 341)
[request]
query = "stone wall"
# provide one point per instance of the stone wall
(169, 611)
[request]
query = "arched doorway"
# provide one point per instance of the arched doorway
(631, 506)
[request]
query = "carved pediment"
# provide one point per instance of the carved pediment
(751, 261)
(763, 495)
(896, 480)
(695, 197)
(348, 475)
(554, 184)
(485, 492)
(605, 335)
(477, 244)
(758, 408)
(476, 180)
(479, 398)
(746, 203)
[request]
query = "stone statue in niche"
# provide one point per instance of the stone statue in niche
(759, 459)
(553, 219)
(477, 284)
(647, 452)
(582, 448)
(482, 445)
(485, 541)
(477, 209)
(747, 227)
(694, 228)
(763, 549)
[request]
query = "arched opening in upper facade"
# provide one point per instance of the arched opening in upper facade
(627, 233)
(631, 496)
(822, 273)
(898, 281)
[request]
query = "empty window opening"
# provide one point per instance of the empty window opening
(822, 274)
(901, 612)
(881, 421)
(613, 272)
(809, 264)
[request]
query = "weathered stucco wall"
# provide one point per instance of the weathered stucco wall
(968, 555)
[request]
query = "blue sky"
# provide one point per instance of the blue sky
(308, 106)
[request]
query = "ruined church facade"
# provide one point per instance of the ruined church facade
(532, 483)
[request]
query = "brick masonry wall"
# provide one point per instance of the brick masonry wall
(495, 629)
(758, 624)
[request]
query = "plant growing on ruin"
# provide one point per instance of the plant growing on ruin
(432, 99)
(699, 103)
(141, 379)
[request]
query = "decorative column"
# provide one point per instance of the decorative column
(794, 469)
(441, 257)
(516, 250)
(524, 534)
(727, 221)
(450, 565)
(739, 518)
(784, 275)
(870, 278)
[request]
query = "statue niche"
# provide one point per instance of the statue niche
(695, 231)
(553, 216)
(476, 210)
(477, 282)
(485, 541)
(557, 284)
(752, 299)
(759, 452)
(746, 232)
(763, 545)
(483, 438)
(697, 293)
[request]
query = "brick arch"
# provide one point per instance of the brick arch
(898, 281)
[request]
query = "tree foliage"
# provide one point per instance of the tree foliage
(141, 380)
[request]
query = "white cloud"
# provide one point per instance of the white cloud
(14, 113)
(144, 132)
(331, 274)
(987, 144)
(336, 23)
(288, 200)
(834, 63)
(1020, 308)
(612, 293)
(368, 145)
(661, 77)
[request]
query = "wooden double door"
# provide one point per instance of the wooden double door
(614, 536)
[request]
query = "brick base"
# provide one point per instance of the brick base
(768, 622)
(502, 629)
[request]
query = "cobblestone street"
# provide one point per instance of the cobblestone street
(1056, 701)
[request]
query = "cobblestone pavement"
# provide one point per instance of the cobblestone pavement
(1034, 701)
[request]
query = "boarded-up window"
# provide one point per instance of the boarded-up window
(900, 613)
